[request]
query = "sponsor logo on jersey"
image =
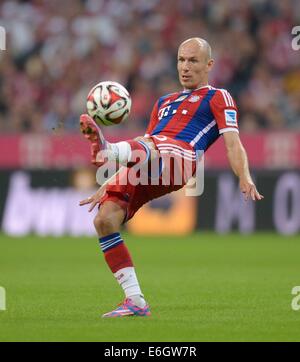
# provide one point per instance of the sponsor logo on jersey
(230, 117)
(163, 112)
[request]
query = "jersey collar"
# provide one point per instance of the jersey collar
(193, 90)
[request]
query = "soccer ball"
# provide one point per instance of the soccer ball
(108, 103)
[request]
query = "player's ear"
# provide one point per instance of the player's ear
(209, 65)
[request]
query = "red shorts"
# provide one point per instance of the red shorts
(177, 163)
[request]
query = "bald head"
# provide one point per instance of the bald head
(194, 63)
(200, 43)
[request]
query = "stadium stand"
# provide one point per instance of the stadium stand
(56, 50)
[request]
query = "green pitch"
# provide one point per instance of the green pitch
(200, 288)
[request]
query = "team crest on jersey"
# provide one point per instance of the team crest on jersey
(230, 117)
(194, 99)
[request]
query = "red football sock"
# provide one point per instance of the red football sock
(118, 258)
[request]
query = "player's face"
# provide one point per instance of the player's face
(193, 65)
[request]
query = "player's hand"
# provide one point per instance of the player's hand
(249, 190)
(93, 200)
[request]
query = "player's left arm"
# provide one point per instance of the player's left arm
(238, 160)
(225, 112)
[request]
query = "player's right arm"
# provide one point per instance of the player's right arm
(94, 199)
(153, 120)
(152, 124)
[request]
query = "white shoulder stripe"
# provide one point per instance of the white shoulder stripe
(227, 98)
(230, 99)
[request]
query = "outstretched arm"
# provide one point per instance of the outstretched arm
(238, 160)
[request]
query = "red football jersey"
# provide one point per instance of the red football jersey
(197, 117)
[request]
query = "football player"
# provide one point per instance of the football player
(182, 124)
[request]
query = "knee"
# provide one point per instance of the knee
(104, 224)
(108, 219)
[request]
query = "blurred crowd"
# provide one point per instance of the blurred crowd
(57, 50)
